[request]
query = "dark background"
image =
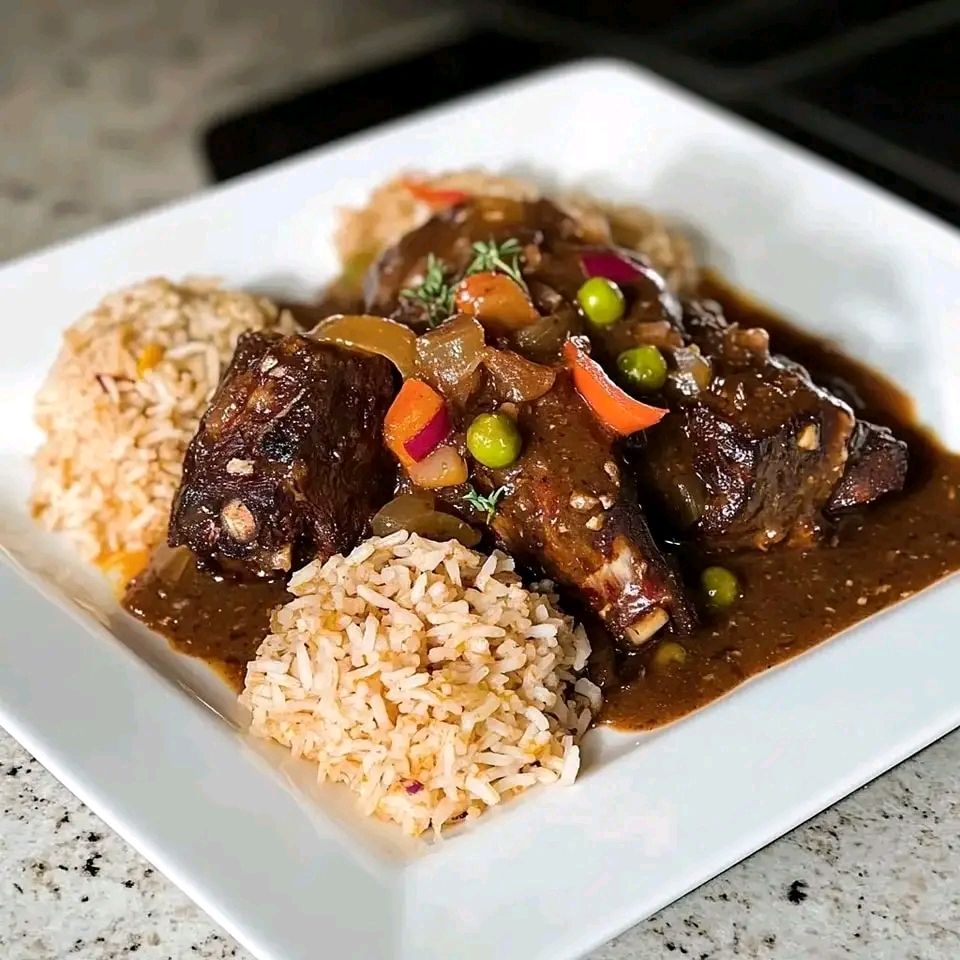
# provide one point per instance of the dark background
(872, 84)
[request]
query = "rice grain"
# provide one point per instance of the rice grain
(427, 725)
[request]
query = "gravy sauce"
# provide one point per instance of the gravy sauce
(216, 618)
(793, 600)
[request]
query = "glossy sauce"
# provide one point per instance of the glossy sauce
(793, 600)
(218, 619)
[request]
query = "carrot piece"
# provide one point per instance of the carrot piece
(413, 408)
(148, 358)
(121, 566)
(612, 406)
(495, 299)
(436, 198)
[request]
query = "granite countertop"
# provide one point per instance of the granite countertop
(99, 109)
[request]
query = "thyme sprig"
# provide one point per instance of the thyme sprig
(485, 504)
(492, 256)
(434, 291)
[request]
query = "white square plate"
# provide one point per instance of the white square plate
(153, 741)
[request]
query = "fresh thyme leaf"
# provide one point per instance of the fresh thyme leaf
(487, 504)
(434, 292)
(492, 256)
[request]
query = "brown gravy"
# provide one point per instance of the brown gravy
(793, 600)
(215, 618)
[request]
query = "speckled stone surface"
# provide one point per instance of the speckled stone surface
(99, 109)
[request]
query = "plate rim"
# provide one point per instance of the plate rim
(408, 942)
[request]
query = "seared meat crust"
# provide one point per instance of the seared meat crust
(288, 462)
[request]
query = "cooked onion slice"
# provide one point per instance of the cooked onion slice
(516, 379)
(170, 562)
(448, 357)
(374, 335)
(443, 468)
(691, 374)
(417, 513)
(544, 339)
(615, 265)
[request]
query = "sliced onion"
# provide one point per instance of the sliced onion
(423, 443)
(692, 372)
(171, 562)
(615, 265)
(373, 335)
(449, 356)
(495, 300)
(689, 497)
(622, 266)
(516, 379)
(417, 513)
(443, 468)
(543, 341)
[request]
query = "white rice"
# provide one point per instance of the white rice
(425, 677)
(120, 404)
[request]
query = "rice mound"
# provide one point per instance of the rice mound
(425, 677)
(120, 405)
(392, 210)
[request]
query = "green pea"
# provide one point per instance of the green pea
(669, 654)
(643, 369)
(494, 440)
(720, 586)
(602, 301)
